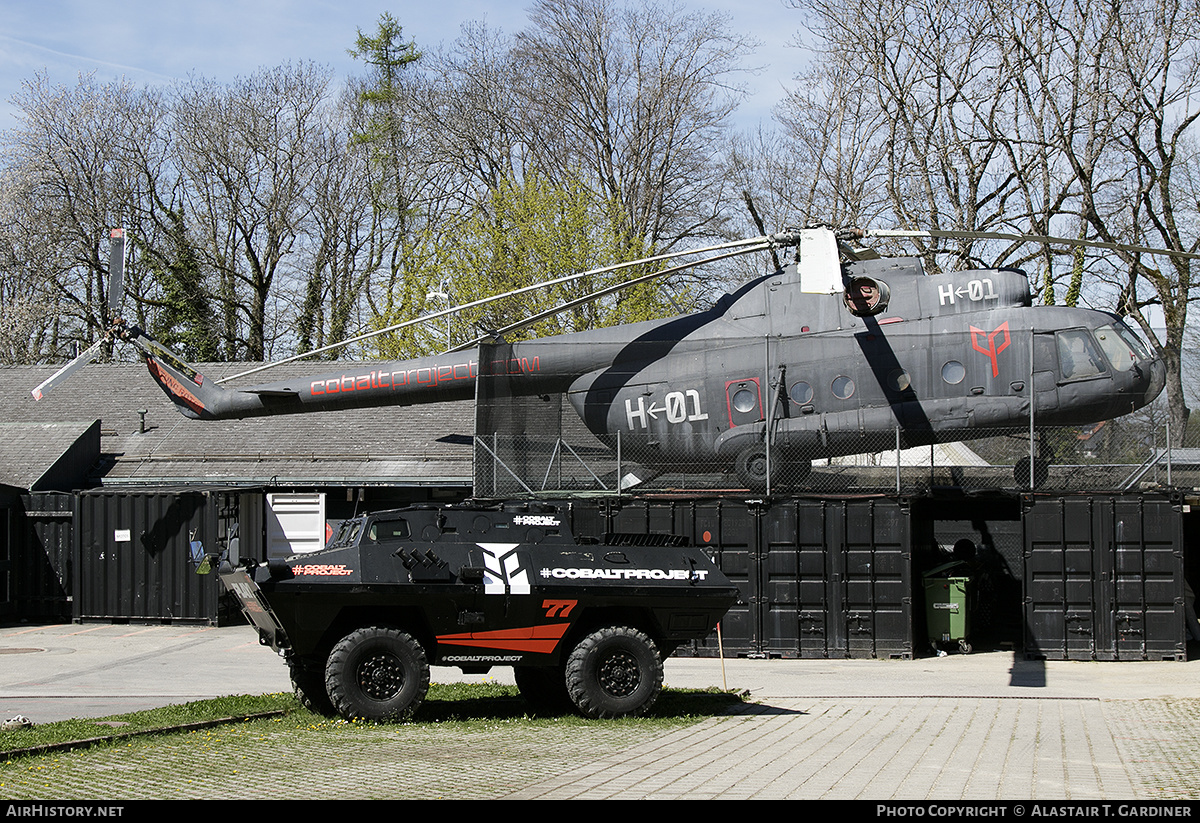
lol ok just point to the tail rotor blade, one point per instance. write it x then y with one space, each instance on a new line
66 371
116 271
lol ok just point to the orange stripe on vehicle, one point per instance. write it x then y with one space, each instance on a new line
541 639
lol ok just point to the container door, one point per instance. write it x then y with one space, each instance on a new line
877 575
295 524
1059 569
1145 600
732 529
7 536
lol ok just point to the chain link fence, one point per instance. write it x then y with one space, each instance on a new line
667 438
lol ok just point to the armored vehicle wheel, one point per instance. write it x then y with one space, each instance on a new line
308 684
377 674
543 687
614 672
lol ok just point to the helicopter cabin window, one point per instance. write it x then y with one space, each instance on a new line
801 393
843 387
744 401
389 531
953 372
900 380
1078 357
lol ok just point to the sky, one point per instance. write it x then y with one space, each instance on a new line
157 42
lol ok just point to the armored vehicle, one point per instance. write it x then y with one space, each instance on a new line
585 621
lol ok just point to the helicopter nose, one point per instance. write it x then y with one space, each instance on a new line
1157 380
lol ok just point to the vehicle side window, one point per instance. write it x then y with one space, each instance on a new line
1078 356
389 531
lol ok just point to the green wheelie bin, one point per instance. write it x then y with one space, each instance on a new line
948 606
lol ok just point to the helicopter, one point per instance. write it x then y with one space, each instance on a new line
817 359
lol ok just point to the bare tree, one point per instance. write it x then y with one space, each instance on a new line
251 152
634 99
68 186
343 226
1057 117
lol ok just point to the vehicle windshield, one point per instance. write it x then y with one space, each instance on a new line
346 532
1121 346
1118 351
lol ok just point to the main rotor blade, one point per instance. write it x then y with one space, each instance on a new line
87 356
596 295
116 271
757 244
1031 238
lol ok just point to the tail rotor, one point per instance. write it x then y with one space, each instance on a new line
116 271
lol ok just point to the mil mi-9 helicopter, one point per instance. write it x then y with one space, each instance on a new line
820 358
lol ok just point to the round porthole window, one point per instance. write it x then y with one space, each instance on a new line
843 387
744 401
801 393
953 372
900 380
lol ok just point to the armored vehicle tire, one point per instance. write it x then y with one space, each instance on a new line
308 684
543 687
377 674
614 672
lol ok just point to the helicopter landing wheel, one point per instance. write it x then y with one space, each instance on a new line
751 468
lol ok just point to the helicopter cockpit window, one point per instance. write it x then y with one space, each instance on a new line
1078 357
1121 355
1140 350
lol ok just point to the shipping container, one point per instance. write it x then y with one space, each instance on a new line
138 551
1104 578
820 578
43 564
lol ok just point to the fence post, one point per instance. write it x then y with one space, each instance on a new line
897 458
770 404
1032 403
618 462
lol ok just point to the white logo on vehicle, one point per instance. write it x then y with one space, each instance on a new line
625 574
502 569
535 520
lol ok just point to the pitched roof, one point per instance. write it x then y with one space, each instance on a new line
47 456
417 445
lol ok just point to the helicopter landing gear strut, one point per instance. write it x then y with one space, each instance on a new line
1041 466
